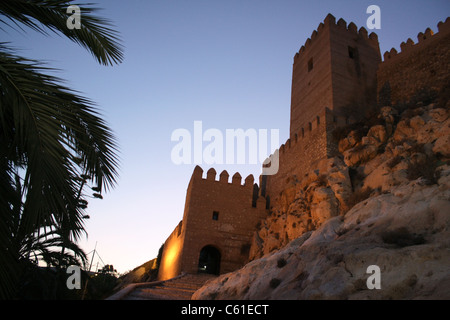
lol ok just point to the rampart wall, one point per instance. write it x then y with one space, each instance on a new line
418 69
299 154
170 265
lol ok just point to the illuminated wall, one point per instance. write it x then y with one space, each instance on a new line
170 265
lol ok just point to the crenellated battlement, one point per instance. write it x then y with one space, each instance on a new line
341 25
299 153
211 175
423 38
419 70
321 124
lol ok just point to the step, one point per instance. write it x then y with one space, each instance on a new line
178 289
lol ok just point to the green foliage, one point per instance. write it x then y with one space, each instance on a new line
95 35
100 286
39 283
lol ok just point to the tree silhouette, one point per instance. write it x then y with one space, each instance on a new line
53 143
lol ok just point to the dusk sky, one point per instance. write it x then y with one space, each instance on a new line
227 63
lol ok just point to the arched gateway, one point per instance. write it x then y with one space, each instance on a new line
209 260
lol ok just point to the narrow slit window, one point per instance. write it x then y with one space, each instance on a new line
310 64
215 215
352 53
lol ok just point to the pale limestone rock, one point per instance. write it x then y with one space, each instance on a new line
304 205
416 123
442 146
348 142
331 262
388 114
313 203
404 131
439 114
378 134
355 156
323 211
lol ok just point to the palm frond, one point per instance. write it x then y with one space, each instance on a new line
47 124
96 33
52 142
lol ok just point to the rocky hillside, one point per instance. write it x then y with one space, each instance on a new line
384 201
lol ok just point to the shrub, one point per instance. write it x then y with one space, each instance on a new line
444 95
394 161
358 196
281 263
360 129
356 176
425 169
245 248
402 237
274 283
411 112
322 180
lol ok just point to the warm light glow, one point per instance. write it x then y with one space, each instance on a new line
172 254
170 260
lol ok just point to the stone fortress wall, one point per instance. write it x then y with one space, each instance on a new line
337 76
418 69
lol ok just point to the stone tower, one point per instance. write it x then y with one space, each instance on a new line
335 69
217 227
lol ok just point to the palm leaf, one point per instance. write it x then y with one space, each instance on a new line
50 124
52 142
96 34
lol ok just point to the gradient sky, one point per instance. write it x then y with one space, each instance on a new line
227 63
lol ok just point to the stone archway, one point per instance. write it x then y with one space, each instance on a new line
209 260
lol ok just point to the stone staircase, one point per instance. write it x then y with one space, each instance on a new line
180 288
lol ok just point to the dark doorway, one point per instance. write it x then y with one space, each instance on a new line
209 261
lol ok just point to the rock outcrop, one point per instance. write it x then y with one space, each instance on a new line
406 233
304 206
384 201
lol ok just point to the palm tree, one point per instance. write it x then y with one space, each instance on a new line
53 142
